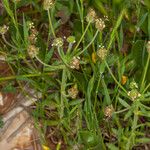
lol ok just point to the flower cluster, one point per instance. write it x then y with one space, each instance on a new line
75 63
134 93
91 16
102 53
33 36
108 111
3 29
48 4
33 51
133 85
73 92
99 22
58 42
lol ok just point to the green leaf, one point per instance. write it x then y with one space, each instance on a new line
112 146
106 92
123 103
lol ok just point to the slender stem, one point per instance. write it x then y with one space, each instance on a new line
8 42
63 86
79 53
50 23
145 72
26 75
146 88
121 111
82 36
115 78
50 66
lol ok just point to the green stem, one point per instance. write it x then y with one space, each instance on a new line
115 78
8 43
23 76
121 111
112 36
50 24
63 86
50 66
79 53
82 36
145 72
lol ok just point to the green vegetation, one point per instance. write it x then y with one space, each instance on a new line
90 60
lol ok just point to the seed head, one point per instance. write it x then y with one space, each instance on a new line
91 16
134 94
148 47
99 24
58 42
73 92
108 111
75 63
48 4
102 53
33 51
3 29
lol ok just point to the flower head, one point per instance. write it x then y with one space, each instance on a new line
30 25
47 4
99 24
102 53
73 91
33 51
33 36
58 42
91 16
133 85
75 63
134 94
108 111
3 29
